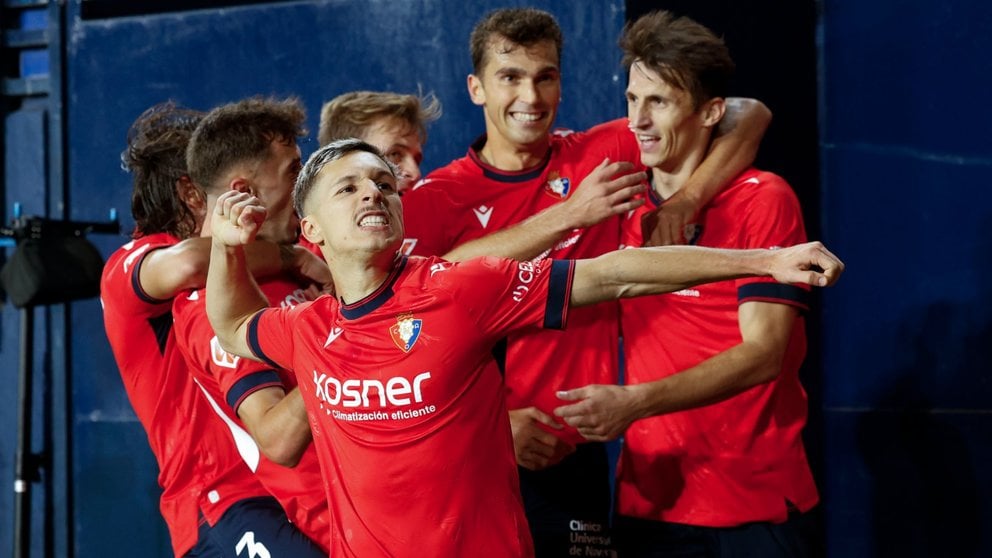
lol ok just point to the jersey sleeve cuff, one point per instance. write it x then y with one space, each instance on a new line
253 342
249 385
559 293
136 280
778 293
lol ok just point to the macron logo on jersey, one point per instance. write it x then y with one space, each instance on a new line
334 334
439 267
222 357
483 213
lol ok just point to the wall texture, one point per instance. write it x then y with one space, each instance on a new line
906 163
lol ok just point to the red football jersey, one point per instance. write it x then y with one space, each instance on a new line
227 380
742 459
469 199
406 406
199 468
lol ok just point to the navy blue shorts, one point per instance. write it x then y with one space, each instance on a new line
644 538
253 528
568 504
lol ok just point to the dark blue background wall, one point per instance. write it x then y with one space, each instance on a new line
903 384
907 347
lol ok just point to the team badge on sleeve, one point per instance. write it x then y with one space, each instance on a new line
406 331
558 186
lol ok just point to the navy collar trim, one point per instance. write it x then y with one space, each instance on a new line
379 297
494 173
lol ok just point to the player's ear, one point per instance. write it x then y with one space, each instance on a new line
311 231
191 195
713 111
475 90
241 185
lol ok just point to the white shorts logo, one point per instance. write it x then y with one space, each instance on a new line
255 550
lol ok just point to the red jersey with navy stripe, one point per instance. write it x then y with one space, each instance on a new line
469 199
228 380
406 406
199 468
742 459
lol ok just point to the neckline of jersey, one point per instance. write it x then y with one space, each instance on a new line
500 175
378 297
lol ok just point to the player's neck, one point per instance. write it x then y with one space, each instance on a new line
357 278
669 178
507 156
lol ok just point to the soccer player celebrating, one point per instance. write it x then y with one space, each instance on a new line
713 457
393 122
210 500
396 370
523 192
250 146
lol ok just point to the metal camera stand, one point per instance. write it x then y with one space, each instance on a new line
28 465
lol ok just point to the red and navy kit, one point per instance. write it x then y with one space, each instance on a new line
228 380
199 469
405 402
740 460
469 199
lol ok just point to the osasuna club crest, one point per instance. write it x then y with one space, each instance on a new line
406 331
558 186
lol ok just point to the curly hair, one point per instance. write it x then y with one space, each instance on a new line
156 158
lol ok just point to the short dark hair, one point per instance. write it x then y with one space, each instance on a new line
156 158
329 153
684 53
522 26
349 115
241 132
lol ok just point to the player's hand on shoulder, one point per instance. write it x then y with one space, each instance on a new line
667 224
810 263
236 219
609 190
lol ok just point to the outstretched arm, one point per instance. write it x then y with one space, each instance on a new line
166 272
607 191
733 149
604 412
233 297
644 271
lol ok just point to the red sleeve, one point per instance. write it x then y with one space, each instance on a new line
271 336
504 295
772 219
426 211
236 378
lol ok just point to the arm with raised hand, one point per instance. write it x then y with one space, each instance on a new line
166 272
607 191
233 297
